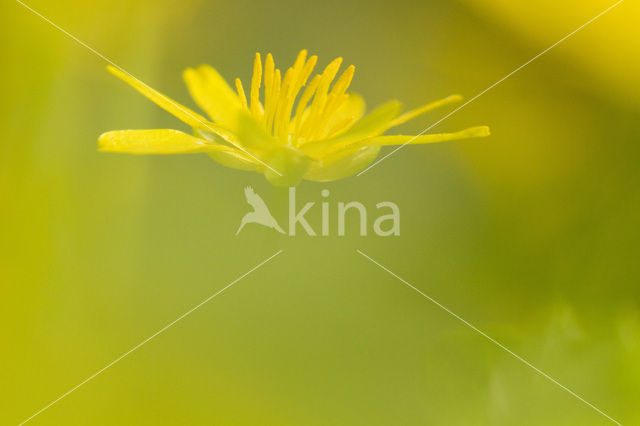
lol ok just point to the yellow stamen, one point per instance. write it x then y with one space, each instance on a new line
320 98
333 103
306 95
335 100
256 108
343 83
308 69
269 68
294 80
241 94
298 65
304 100
279 117
273 102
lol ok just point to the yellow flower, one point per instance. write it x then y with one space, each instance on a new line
322 137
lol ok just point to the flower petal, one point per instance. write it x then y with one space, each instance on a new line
342 164
374 124
181 112
214 95
236 160
346 115
410 115
157 141
473 132
251 134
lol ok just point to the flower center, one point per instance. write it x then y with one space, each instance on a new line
319 110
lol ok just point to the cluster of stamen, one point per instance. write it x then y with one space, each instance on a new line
317 104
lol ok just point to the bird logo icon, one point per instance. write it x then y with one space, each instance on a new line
260 214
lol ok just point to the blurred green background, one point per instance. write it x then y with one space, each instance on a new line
532 234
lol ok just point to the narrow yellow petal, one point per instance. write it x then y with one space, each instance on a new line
472 132
157 141
410 115
188 116
179 111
